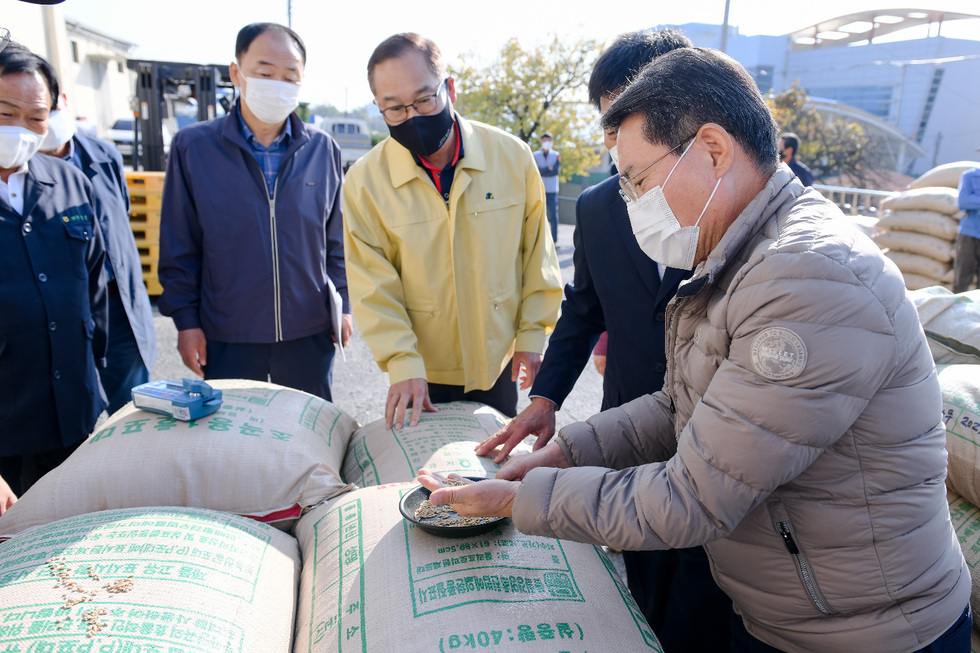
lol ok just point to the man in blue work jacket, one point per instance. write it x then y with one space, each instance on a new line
251 233
52 289
132 346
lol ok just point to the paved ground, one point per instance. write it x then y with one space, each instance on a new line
360 388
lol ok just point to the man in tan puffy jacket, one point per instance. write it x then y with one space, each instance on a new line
798 434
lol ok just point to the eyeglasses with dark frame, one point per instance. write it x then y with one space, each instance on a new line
424 105
626 189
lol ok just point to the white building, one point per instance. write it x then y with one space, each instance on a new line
91 65
925 88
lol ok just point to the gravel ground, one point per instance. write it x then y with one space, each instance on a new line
360 387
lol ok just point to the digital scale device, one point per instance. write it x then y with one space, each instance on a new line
185 401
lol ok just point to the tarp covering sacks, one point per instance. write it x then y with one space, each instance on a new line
149 579
442 442
373 582
951 323
268 453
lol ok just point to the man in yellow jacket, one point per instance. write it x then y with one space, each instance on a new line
452 273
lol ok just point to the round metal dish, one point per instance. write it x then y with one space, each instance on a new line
411 501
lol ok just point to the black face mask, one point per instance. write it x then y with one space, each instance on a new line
424 135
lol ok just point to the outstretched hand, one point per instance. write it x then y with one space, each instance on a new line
490 498
537 419
551 455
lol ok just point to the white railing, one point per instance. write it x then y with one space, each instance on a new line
855 201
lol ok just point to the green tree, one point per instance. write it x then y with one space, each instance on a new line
528 92
835 148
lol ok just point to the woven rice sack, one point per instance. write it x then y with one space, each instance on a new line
149 580
961 414
951 322
921 265
966 523
947 175
930 223
442 442
913 243
933 198
268 453
372 582
918 282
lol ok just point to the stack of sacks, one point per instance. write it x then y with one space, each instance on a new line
918 232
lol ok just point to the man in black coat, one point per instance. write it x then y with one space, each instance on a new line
619 289
132 346
52 288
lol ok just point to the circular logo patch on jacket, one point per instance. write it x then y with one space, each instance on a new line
778 354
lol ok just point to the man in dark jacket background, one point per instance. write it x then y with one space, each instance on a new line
52 289
132 345
251 241
619 289
789 146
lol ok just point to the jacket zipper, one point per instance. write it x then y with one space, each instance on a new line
277 309
803 566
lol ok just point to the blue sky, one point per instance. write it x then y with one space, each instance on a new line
341 35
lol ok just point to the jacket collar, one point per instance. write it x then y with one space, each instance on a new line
403 169
779 190
232 130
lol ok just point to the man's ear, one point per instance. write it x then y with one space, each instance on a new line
235 73
719 145
451 89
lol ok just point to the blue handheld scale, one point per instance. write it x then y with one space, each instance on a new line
185 401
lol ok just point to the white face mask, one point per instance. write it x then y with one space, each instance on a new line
546 146
659 234
271 101
61 127
614 155
17 145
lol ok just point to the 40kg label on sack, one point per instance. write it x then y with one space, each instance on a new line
372 581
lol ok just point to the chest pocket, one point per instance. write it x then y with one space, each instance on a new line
79 230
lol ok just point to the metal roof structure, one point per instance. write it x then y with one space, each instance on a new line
865 26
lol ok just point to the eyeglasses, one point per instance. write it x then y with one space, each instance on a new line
4 38
424 105
626 189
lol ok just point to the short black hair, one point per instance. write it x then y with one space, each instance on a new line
15 58
251 32
791 140
683 90
547 135
626 57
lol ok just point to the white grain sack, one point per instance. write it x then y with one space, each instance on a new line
921 265
268 453
951 323
930 223
913 243
961 413
442 442
149 580
933 198
947 175
966 523
371 582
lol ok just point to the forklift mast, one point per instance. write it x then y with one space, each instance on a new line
159 86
